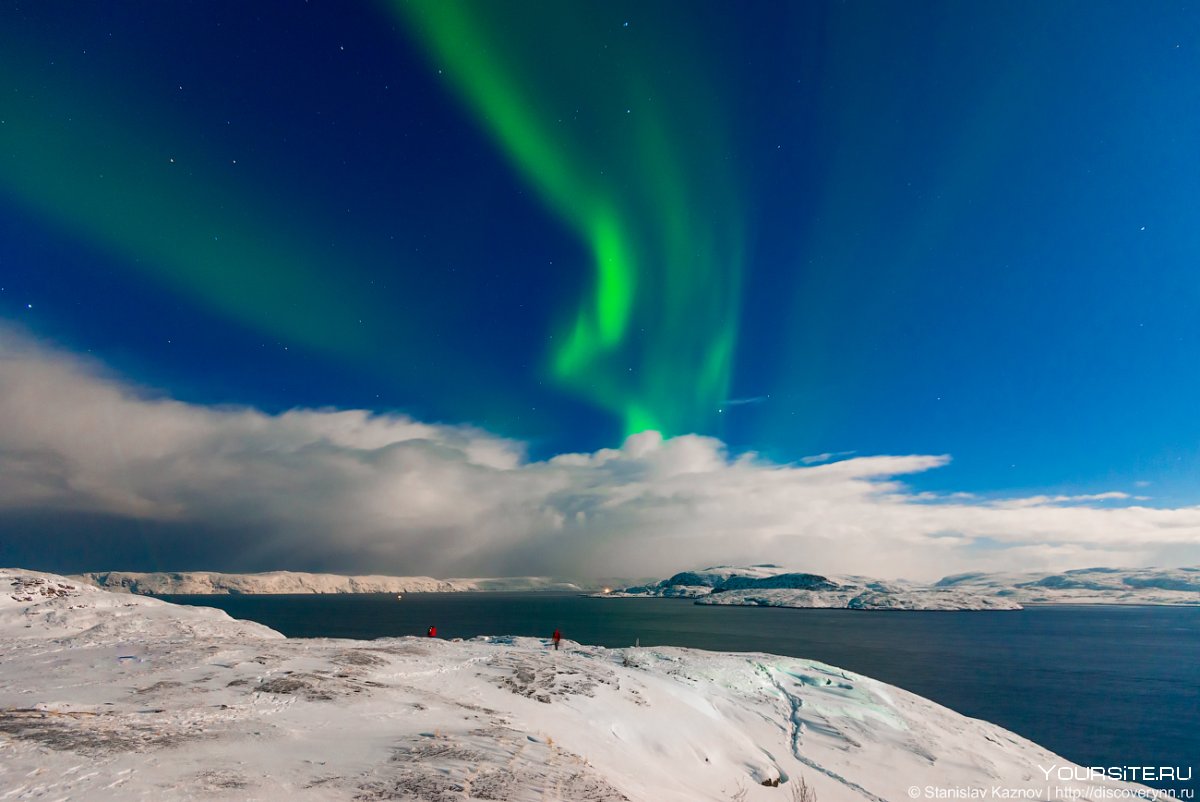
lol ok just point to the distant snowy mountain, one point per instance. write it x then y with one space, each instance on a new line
770 585
107 697
860 598
209 582
766 585
1086 586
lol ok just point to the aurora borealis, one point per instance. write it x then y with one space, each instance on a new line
645 187
106 184
602 291
804 229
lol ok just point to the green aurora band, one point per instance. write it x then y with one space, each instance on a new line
186 222
617 129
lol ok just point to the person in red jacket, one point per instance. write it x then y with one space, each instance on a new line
557 637
432 632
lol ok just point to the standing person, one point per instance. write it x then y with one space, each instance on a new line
557 638
432 631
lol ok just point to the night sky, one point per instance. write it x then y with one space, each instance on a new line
832 228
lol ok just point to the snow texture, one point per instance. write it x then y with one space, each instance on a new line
107 696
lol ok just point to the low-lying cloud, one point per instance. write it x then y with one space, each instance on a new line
233 488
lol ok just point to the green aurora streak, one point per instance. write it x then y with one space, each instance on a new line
116 187
616 128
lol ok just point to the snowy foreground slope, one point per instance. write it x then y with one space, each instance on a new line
212 582
109 696
775 586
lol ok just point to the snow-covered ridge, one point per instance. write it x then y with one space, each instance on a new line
106 696
211 582
1087 586
771 585
774 586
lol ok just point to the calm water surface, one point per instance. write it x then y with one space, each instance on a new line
1102 686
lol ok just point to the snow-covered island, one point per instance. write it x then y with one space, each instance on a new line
212 582
107 696
771 585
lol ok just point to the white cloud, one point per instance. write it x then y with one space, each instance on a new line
826 457
385 493
1041 501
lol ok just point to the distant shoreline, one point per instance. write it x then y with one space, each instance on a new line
608 596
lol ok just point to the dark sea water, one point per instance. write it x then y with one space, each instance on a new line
1101 686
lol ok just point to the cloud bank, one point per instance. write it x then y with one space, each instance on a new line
233 488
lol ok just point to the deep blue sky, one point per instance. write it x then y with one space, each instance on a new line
966 228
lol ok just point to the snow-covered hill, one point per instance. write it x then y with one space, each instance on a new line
117 697
774 586
1086 586
37 607
209 582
